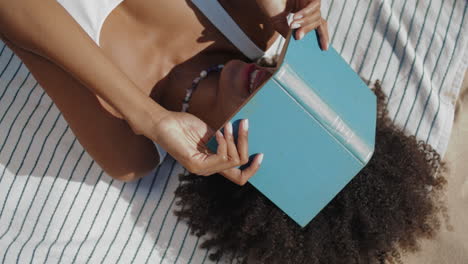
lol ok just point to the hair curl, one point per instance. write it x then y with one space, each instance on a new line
392 203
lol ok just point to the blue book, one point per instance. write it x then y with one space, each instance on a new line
315 121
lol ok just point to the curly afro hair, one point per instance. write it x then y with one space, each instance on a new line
392 203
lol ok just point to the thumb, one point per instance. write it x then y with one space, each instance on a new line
205 132
280 23
277 13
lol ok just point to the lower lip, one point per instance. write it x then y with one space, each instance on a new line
247 71
259 79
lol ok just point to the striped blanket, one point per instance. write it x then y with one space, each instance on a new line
57 206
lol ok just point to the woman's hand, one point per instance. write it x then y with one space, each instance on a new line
307 17
185 136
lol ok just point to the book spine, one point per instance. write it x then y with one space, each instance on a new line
323 113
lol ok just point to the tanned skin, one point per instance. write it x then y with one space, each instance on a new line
121 95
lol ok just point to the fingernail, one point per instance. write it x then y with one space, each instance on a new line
229 127
219 136
301 35
295 25
246 124
298 16
260 159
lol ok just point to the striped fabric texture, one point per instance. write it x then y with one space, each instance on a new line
57 206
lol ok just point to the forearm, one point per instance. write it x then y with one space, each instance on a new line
45 28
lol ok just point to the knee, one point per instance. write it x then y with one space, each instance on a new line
130 164
130 170
129 175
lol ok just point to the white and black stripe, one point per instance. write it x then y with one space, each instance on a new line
57 206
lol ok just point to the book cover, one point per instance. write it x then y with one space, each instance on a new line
314 120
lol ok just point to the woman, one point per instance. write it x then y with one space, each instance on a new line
383 213
125 89
128 91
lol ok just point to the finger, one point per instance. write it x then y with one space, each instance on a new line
277 15
254 166
280 24
232 153
312 7
322 32
210 163
225 158
234 175
222 145
300 33
311 19
241 177
243 141
314 18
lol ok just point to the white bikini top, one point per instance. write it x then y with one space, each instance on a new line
91 14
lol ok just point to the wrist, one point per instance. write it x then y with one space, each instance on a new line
146 117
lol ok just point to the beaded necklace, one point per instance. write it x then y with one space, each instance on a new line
196 81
